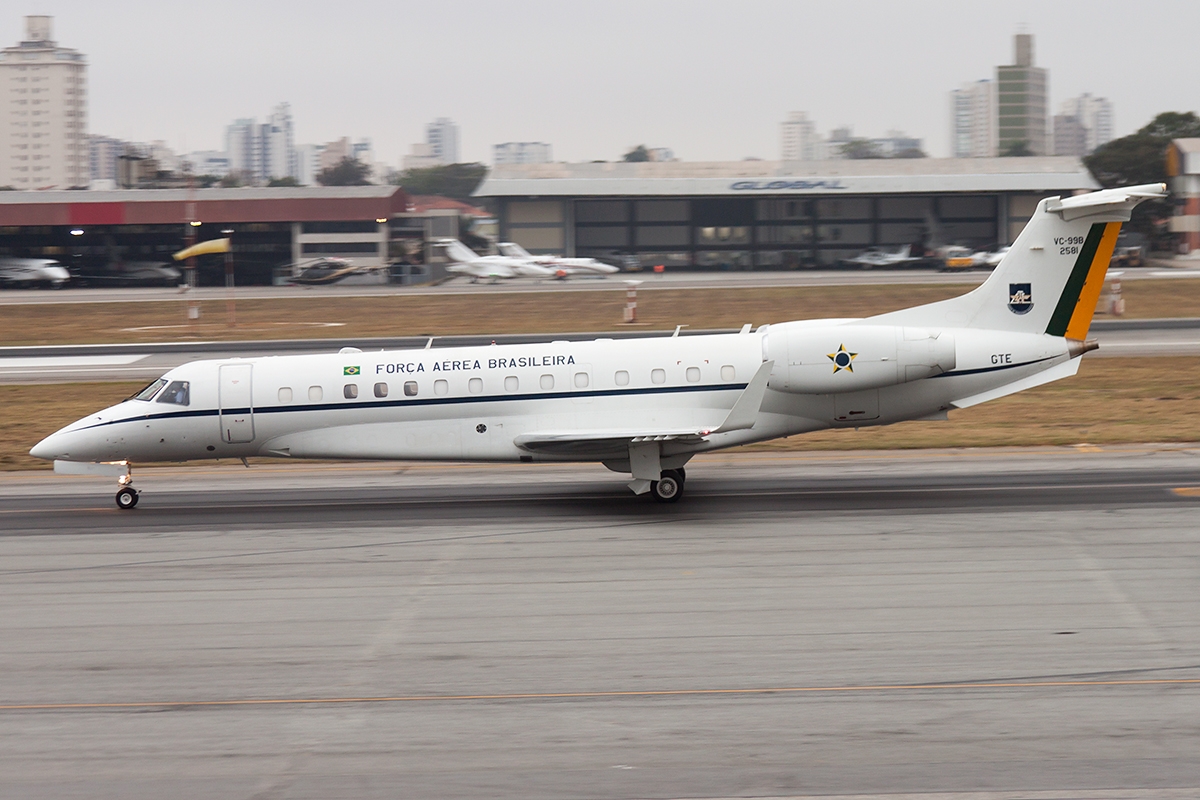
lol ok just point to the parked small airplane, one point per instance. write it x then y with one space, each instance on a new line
562 267
879 257
494 268
31 272
639 406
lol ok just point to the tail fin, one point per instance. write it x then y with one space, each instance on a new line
459 252
513 250
1051 278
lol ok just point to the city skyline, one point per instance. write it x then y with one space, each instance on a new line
563 92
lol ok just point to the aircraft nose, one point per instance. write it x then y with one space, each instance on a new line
49 448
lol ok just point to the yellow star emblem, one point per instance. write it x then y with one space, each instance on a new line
843 359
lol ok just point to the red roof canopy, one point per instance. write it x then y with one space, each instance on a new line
169 206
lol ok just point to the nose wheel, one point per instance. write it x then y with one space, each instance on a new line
127 496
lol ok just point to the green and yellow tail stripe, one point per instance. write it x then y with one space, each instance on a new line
1073 315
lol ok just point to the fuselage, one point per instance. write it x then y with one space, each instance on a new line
477 403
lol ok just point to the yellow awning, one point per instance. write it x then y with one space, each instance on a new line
203 249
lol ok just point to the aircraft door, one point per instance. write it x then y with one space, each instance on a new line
236 402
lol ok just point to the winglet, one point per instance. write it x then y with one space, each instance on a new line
745 411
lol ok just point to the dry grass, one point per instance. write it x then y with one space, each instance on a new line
558 312
1111 401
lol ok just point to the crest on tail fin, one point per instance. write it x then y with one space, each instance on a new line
1020 298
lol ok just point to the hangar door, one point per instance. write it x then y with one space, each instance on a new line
235 398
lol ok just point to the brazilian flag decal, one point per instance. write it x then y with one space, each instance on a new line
351 370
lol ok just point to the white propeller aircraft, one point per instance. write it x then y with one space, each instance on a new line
494 268
562 267
639 406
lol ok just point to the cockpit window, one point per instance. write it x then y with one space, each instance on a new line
177 393
149 392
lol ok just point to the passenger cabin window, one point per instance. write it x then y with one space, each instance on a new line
381 390
285 394
693 374
658 376
149 392
547 382
350 391
441 387
315 393
410 388
581 380
511 384
728 373
475 386
178 393
622 378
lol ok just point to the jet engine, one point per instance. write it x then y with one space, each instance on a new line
829 359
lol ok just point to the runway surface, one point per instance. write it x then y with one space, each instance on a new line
1002 623
126 362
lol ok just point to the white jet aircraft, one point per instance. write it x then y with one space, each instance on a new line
562 267
878 257
639 406
493 268
28 272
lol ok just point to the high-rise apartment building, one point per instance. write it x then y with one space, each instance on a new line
43 112
103 152
522 153
973 120
1021 105
442 137
279 144
800 139
1095 116
1070 137
259 152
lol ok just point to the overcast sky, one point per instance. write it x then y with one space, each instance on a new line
712 80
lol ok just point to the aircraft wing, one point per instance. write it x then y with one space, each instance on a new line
616 442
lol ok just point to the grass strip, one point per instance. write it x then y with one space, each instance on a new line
494 313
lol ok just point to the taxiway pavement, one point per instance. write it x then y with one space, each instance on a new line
1001 623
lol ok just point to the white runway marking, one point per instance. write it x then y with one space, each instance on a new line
61 362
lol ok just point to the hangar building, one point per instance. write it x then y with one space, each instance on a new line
770 214
270 226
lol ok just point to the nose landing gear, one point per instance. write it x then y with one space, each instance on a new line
127 496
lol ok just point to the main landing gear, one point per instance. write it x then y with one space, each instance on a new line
127 496
669 487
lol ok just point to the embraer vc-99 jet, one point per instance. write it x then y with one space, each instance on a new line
639 406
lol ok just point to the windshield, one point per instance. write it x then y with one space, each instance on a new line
176 393
149 392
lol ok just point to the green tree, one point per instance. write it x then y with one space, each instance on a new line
861 148
912 152
1017 149
639 153
458 181
205 181
1141 158
286 180
347 172
231 181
